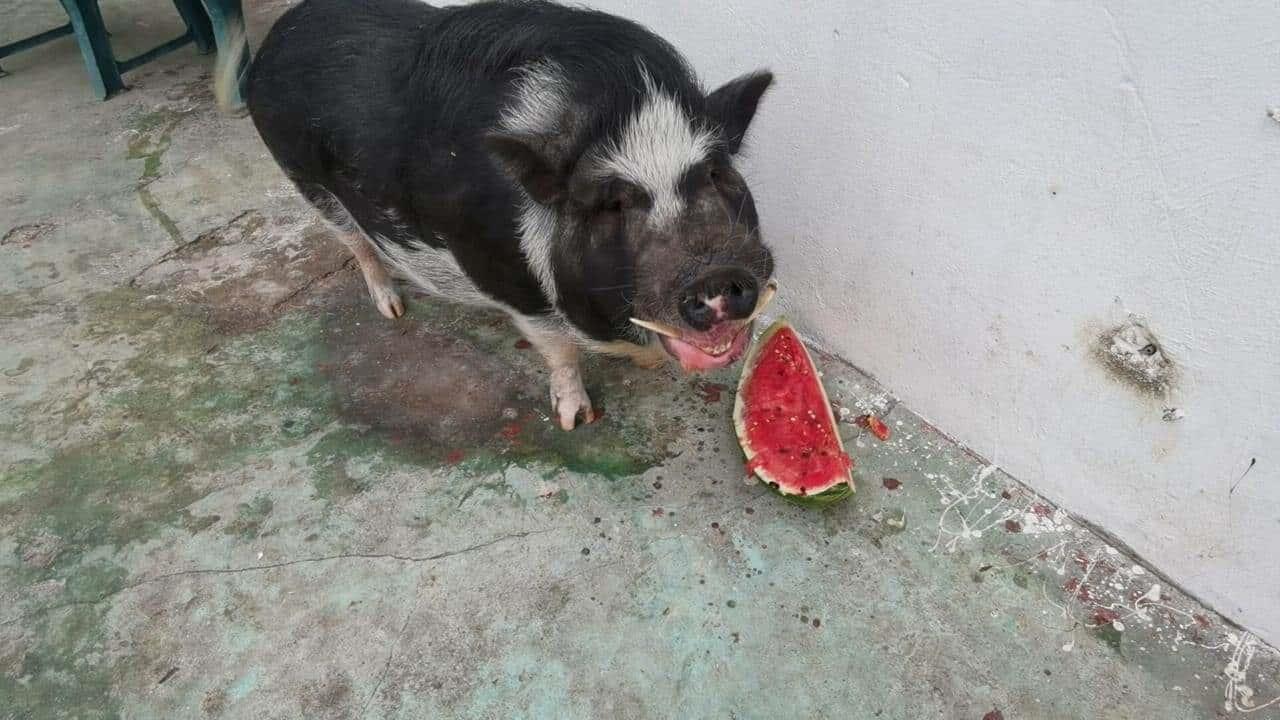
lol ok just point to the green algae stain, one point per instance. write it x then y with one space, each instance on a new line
20 304
603 451
98 493
250 517
329 460
156 428
1108 635
162 417
90 582
63 666
195 524
152 136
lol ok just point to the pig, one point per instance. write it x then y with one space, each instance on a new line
561 165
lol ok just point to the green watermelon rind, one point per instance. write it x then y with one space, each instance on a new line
838 490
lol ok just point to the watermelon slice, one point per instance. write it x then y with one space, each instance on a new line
785 424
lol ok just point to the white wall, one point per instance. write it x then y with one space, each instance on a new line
963 194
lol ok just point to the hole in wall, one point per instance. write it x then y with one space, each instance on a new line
1133 354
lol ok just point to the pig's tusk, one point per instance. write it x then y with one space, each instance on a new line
660 328
766 297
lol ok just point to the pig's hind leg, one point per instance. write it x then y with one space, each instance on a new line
382 287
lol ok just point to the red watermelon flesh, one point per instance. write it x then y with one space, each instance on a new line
784 421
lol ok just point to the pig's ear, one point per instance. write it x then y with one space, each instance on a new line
520 156
733 106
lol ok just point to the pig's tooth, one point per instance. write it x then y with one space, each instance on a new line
766 297
660 328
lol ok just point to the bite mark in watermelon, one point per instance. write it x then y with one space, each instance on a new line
784 421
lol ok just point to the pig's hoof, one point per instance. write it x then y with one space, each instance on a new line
569 398
387 300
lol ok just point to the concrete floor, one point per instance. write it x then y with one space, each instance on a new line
228 488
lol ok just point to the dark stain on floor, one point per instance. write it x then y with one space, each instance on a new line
244 273
446 385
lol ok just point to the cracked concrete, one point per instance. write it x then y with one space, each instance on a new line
228 488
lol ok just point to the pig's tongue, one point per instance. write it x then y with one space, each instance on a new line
715 349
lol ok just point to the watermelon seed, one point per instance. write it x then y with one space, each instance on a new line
586 551
731 604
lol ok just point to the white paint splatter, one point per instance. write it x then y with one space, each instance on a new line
969 510
1239 695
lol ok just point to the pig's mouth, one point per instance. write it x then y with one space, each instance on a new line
709 350
718 346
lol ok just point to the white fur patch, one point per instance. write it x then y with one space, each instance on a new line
537 233
335 215
656 148
541 98
436 271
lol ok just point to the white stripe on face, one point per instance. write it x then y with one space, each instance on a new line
656 149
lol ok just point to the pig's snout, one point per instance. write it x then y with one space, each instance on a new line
720 295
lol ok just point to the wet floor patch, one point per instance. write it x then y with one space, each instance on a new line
451 385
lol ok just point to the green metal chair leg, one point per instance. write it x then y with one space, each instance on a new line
91 34
193 14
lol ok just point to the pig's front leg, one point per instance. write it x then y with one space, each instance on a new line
568 397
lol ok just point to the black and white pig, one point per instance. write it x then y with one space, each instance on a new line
560 164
